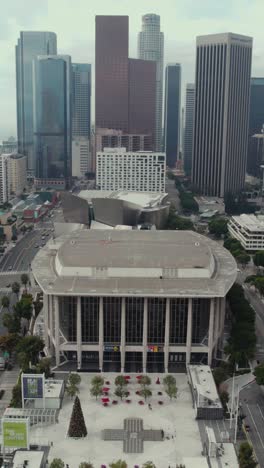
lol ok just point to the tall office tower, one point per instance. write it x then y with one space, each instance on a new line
151 47
222 92
142 92
188 128
5 184
29 45
256 122
111 72
81 100
172 113
52 120
125 88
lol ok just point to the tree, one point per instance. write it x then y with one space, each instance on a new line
246 456
11 322
57 463
43 367
259 374
259 283
118 464
259 258
145 393
16 288
145 381
24 279
169 380
23 308
72 387
224 397
97 380
74 379
96 391
16 400
120 392
77 427
120 381
171 391
5 302
243 258
30 346
149 464
218 227
9 342
86 465
220 375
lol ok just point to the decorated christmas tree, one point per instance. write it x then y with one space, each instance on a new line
77 427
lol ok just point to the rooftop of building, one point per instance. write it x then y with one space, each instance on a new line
251 222
34 459
146 200
204 384
129 262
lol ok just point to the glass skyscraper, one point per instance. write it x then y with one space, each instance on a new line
256 122
81 100
151 47
52 118
29 45
188 130
172 114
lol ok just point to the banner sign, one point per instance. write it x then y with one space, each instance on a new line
155 349
33 386
114 348
15 433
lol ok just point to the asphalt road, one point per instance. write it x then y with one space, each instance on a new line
252 403
258 306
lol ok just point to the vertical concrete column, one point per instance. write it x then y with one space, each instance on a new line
123 333
222 319
211 331
145 334
189 332
51 327
57 330
167 336
101 333
79 333
46 319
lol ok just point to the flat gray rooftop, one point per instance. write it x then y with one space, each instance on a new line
142 263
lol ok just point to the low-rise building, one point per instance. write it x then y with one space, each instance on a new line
206 400
210 204
142 171
249 230
8 225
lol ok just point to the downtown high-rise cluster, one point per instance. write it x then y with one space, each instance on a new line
212 140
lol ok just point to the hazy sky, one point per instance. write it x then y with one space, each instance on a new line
74 23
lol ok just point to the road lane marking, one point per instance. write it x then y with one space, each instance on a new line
253 420
260 411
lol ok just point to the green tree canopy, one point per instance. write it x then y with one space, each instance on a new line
24 279
259 258
218 226
30 346
259 374
246 456
149 464
120 381
145 381
5 302
118 464
86 465
11 322
15 288
57 463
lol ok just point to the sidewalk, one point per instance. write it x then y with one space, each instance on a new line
7 381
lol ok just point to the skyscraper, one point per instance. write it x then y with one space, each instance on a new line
188 130
125 89
256 121
172 113
52 119
29 45
222 92
111 72
81 100
150 47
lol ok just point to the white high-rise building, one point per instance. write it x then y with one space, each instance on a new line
81 157
151 47
13 175
117 169
188 128
5 186
221 120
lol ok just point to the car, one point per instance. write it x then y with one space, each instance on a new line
36 246
43 237
247 427
10 268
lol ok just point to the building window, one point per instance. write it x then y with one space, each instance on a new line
134 320
112 319
200 321
178 321
90 319
68 317
156 320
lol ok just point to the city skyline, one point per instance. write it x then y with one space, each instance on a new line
180 24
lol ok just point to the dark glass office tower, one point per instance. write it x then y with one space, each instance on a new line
81 100
111 72
222 94
52 118
172 113
256 122
29 45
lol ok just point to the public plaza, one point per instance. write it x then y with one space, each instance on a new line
181 444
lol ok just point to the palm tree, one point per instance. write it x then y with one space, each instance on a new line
24 280
5 302
16 288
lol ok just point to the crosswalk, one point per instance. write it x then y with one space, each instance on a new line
13 272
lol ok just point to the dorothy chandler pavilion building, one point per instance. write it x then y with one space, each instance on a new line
134 301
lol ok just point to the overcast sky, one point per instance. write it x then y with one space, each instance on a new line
74 23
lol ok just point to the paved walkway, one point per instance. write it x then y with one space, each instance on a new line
7 381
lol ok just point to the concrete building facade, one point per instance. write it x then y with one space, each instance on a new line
151 47
81 157
222 95
18 173
5 186
134 300
143 171
249 230
256 125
